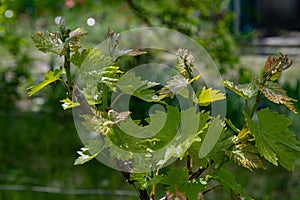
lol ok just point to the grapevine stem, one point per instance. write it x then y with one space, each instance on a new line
67 66
105 96
258 96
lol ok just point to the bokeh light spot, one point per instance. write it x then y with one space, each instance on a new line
91 21
8 13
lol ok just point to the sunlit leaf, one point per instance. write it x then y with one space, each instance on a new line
48 42
175 86
74 38
89 151
185 63
209 95
246 156
50 77
102 123
247 91
276 94
77 33
67 103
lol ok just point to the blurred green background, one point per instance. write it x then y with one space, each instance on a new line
38 139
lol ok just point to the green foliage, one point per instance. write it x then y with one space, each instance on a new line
176 182
133 85
228 180
202 145
94 147
213 133
208 22
246 91
78 57
209 95
273 140
50 77
276 94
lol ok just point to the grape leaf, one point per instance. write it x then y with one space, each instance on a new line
274 66
74 38
175 86
128 52
78 57
175 178
207 96
187 135
273 140
246 91
177 181
227 179
150 137
77 33
110 75
67 103
48 42
158 121
144 180
213 133
134 85
276 94
50 77
246 156
185 63
94 147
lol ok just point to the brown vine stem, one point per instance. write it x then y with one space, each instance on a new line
211 189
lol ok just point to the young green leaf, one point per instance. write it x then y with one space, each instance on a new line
50 77
175 86
209 95
274 66
276 94
73 39
273 140
185 63
246 156
78 57
213 133
144 180
134 85
48 42
94 147
246 91
67 103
